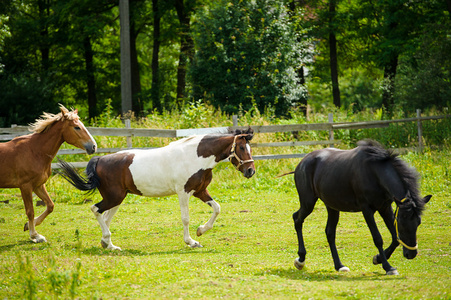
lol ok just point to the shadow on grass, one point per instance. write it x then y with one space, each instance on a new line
33 246
132 252
326 275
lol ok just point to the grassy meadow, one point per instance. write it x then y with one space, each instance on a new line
249 253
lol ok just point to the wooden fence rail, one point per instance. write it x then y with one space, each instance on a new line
9 133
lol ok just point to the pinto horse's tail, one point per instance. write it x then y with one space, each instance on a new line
90 184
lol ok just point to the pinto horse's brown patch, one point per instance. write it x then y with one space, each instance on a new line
198 183
214 145
116 179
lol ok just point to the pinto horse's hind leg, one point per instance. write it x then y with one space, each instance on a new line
184 210
27 197
106 233
331 230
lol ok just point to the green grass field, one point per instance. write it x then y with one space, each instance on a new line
247 255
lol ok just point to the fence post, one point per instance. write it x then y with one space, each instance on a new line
235 120
420 131
128 125
331 130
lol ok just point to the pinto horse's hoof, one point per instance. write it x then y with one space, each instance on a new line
38 239
196 245
343 269
199 231
299 265
109 246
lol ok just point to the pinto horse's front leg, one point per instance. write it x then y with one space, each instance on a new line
184 209
205 197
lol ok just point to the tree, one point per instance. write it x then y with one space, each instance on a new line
247 54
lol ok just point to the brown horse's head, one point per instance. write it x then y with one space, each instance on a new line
72 129
75 133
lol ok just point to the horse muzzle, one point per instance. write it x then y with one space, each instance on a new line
90 147
409 254
249 172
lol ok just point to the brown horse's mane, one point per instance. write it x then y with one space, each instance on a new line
47 119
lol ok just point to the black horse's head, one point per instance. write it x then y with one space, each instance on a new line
407 219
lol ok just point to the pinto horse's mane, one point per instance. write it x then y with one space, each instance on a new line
249 131
409 176
47 119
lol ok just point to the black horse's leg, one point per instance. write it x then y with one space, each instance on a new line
331 229
377 238
387 215
298 218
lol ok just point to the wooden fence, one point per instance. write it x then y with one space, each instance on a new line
10 133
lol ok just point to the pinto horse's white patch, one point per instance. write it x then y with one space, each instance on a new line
165 171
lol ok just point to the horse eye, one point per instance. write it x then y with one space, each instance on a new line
77 128
241 148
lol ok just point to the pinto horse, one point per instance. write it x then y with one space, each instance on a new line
367 179
183 167
25 161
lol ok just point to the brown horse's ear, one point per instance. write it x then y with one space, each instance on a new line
64 111
76 111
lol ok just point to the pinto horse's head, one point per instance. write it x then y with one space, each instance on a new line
75 133
407 220
240 153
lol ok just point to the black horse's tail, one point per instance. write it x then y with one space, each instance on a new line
90 184
278 176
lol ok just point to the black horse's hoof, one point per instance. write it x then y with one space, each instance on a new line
375 259
393 272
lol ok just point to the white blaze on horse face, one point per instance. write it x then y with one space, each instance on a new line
165 171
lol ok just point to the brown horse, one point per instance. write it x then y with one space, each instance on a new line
25 161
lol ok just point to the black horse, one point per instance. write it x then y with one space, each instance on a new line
367 179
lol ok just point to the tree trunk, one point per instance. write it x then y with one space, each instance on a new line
90 78
333 55
155 90
186 48
137 104
43 7
389 78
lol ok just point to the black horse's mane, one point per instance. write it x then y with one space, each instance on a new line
409 176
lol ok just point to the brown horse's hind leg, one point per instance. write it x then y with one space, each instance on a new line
41 192
27 197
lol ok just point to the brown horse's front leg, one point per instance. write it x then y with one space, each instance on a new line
27 197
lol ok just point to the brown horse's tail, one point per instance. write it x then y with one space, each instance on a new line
90 184
292 172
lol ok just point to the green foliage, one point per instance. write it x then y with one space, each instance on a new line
248 51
